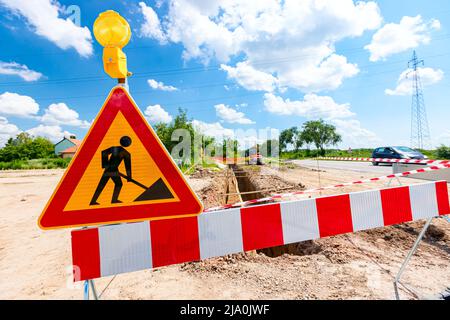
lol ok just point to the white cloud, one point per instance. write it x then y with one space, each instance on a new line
13 104
280 43
312 107
428 76
160 86
315 107
53 133
156 114
7 130
327 74
246 137
60 113
43 18
151 27
21 70
230 115
394 38
215 130
354 135
250 78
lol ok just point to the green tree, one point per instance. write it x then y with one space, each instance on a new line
288 136
26 147
198 141
270 147
298 141
40 148
320 134
165 130
230 148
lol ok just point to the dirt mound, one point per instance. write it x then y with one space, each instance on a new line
271 182
436 233
200 172
212 195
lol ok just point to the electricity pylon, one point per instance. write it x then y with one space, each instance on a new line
420 133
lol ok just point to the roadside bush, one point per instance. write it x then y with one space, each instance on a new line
443 152
25 147
307 153
52 163
12 165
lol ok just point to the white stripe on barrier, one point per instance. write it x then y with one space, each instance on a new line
118 255
423 201
299 220
367 212
220 234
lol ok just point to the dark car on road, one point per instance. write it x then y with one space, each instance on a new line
396 153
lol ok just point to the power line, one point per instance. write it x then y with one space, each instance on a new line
142 92
134 93
178 71
174 71
210 85
202 68
157 45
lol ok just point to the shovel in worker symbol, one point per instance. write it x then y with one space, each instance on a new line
156 191
111 160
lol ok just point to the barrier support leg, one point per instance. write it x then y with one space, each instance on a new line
409 256
94 291
87 284
388 184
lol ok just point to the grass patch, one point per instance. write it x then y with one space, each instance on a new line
48 163
188 168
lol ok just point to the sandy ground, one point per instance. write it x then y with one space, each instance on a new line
35 264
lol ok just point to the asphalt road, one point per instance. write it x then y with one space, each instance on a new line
381 169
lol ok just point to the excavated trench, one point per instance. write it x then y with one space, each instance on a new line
245 187
240 184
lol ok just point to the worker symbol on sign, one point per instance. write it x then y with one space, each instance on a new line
111 160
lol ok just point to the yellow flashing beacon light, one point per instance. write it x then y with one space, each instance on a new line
113 32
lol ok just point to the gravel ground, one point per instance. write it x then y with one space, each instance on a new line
36 265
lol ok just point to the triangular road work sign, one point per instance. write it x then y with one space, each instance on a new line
121 173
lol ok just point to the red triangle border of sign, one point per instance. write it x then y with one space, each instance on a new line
54 216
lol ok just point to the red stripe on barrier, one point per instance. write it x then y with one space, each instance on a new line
174 241
85 254
334 215
261 227
442 198
396 205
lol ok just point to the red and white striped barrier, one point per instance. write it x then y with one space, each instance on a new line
109 250
386 160
340 185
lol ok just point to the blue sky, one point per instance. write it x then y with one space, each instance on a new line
245 65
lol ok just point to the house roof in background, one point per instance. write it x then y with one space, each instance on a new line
70 150
75 141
